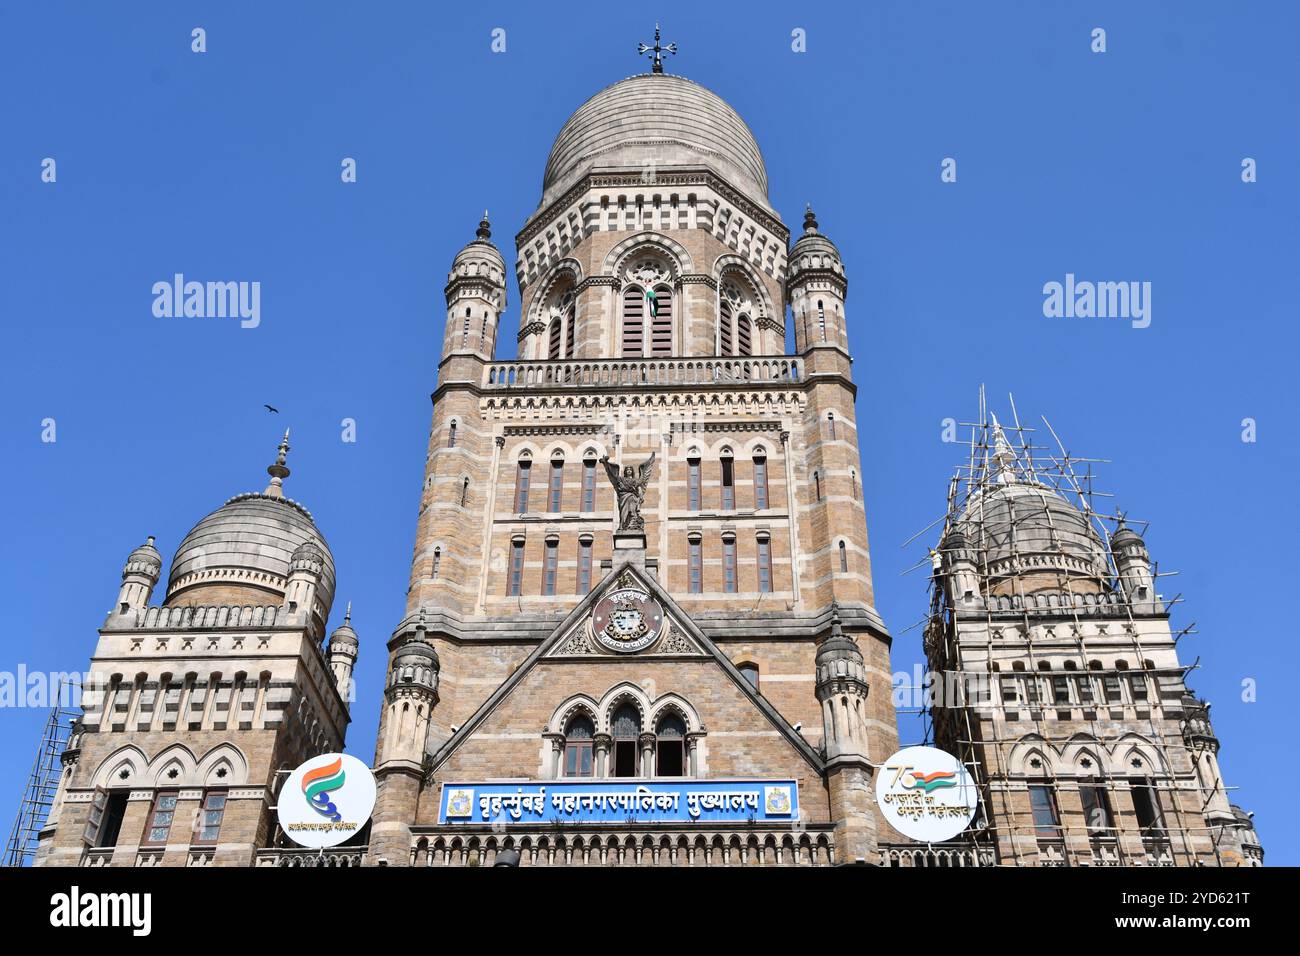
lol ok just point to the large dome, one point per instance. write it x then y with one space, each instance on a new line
659 120
1027 538
240 554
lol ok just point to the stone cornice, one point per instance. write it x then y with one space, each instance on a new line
700 176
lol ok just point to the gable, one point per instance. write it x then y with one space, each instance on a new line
629 627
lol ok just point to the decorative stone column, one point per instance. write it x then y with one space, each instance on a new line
647 754
693 752
600 746
556 768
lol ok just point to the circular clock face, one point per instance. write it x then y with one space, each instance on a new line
627 620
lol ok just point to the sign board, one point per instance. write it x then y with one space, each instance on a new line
326 800
926 794
579 800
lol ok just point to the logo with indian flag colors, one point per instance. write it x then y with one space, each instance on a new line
326 801
926 794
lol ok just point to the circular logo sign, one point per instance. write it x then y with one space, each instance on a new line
926 794
326 800
627 619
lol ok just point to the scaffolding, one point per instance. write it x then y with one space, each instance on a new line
1011 492
42 785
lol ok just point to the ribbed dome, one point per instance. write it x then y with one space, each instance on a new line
242 551
655 120
1023 528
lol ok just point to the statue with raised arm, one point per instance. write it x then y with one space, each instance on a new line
630 488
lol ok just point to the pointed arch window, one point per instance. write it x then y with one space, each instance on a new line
625 729
555 485
588 485
728 469
578 737
464 491
817 485
764 564
523 476
659 305
437 561
844 558
729 563
550 565
633 332
451 435
760 481
670 747
584 564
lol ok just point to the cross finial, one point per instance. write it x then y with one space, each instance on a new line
658 51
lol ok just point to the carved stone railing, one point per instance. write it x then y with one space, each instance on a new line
914 855
626 846
304 857
613 373
97 856
181 618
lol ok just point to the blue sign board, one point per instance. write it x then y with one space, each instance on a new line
606 801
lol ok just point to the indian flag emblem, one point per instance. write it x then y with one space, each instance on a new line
652 301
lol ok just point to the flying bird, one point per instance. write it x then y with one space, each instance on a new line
272 408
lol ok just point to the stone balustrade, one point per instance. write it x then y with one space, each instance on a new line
613 373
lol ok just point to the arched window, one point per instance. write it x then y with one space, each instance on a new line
589 484
853 480
821 319
817 485
670 747
764 563
744 336
464 491
724 329
830 424
553 339
555 485
729 563
625 728
550 565
578 736
584 564
728 469
749 671
695 560
516 566
523 476
633 337
844 559
660 307
451 434
760 481
437 560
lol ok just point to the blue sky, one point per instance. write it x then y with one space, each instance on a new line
225 165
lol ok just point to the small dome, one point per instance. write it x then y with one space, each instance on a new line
144 560
480 258
655 120
812 251
839 645
416 649
1124 537
343 634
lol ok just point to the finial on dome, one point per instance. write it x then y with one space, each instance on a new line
836 629
657 66
484 227
278 471
347 615
809 220
1003 456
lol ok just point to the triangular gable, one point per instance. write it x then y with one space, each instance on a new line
571 639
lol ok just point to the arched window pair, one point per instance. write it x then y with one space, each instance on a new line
666 754
647 321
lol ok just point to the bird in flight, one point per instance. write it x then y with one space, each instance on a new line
272 408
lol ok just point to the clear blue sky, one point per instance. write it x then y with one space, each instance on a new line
1117 166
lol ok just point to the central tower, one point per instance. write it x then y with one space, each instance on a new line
657 287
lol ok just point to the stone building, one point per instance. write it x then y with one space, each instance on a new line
640 627
1063 688
195 704
726 638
